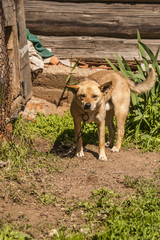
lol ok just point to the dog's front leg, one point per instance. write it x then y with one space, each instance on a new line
78 138
102 154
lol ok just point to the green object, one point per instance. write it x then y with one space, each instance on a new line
43 52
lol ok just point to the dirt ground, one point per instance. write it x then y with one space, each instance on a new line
74 180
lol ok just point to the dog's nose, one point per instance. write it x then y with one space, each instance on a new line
87 106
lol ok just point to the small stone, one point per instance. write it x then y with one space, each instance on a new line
53 232
84 230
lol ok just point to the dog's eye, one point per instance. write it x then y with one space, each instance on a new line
82 95
94 96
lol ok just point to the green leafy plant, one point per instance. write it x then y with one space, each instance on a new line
9 233
47 198
143 121
16 152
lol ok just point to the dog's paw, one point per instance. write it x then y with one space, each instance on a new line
114 149
103 157
80 154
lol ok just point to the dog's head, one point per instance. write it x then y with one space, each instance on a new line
88 94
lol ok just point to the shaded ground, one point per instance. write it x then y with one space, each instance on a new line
22 204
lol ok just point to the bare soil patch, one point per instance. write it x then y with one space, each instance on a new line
75 179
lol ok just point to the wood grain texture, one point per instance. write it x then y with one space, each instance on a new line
25 72
95 47
93 19
8 6
94 29
107 1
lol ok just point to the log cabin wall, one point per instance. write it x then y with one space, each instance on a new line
94 29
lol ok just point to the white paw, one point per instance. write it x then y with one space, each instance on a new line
80 154
114 149
102 157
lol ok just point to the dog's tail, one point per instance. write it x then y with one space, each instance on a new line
144 86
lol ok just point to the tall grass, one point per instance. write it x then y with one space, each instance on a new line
143 121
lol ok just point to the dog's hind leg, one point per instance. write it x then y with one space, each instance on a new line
121 116
102 154
111 127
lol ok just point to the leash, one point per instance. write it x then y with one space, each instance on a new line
85 118
67 82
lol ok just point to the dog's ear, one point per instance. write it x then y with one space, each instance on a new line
73 88
105 87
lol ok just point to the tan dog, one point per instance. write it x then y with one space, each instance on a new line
120 100
102 101
88 98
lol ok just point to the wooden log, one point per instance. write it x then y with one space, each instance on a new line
92 19
96 47
107 1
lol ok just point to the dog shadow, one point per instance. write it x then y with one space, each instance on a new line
65 146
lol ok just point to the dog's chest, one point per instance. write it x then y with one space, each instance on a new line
88 117
95 118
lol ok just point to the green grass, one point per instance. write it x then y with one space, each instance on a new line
107 216
9 233
56 131
60 130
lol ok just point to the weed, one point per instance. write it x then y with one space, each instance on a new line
21 155
47 198
108 217
143 121
8 233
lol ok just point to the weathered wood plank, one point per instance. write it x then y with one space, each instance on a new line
8 6
92 19
25 72
107 1
95 47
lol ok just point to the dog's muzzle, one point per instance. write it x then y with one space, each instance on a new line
87 106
